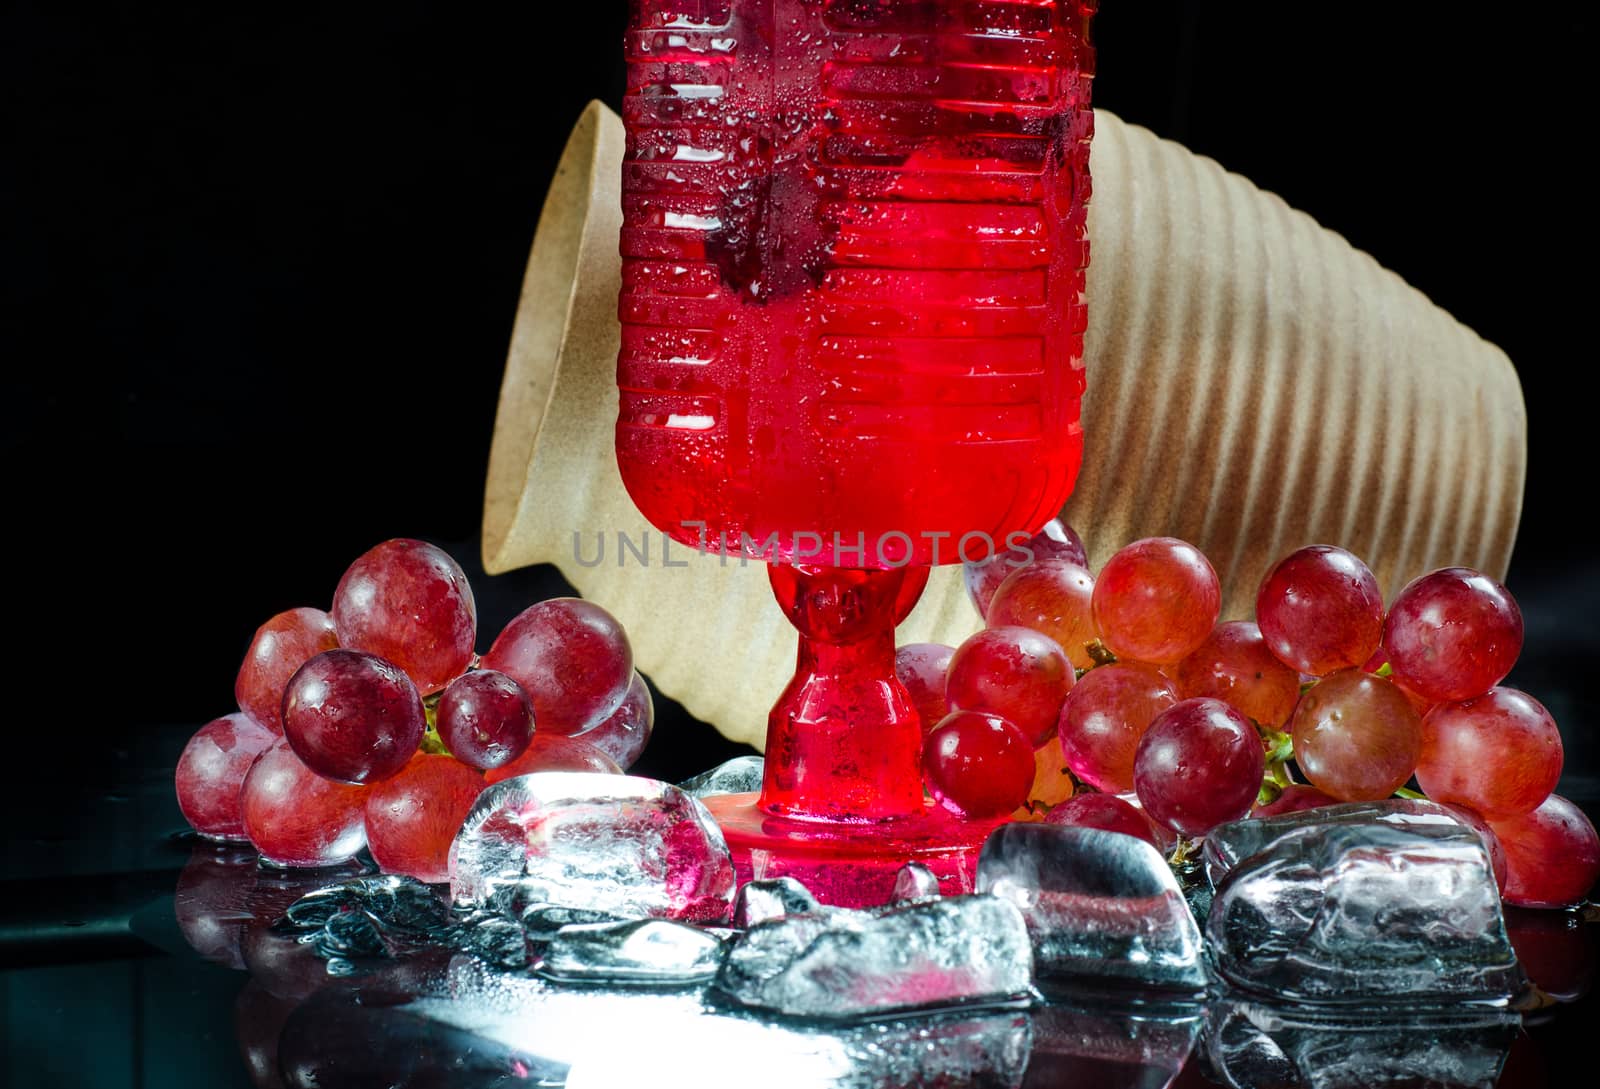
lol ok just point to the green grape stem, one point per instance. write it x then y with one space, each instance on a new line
1280 750
432 743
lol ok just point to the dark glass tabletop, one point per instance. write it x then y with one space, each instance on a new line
132 955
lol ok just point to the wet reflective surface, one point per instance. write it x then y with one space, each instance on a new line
132 959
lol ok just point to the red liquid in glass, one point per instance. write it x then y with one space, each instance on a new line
854 243
852 324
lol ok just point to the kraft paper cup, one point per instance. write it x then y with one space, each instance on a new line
1255 384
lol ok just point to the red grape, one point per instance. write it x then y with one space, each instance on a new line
1056 540
1320 610
551 752
1199 765
485 719
352 716
1104 717
413 817
1015 673
1235 666
978 765
1053 598
1156 600
625 733
1165 838
295 817
1105 811
1453 634
281 646
922 668
1356 736
1498 754
1379 659
571 657
409 602
211 773
1552 855
1295 798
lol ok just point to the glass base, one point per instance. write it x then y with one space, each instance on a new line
850 864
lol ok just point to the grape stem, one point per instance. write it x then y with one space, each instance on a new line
1183 851
1280 750
1100 653
1279 745
432 743
1407 792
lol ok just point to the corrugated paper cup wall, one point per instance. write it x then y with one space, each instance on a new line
1255 384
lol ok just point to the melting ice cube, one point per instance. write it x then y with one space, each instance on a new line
915 881
628 846
544 921
737 776
654 952
771 898
1350 912
1227 845
1098 905
851 964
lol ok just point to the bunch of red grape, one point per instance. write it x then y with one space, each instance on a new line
1120 701
376 724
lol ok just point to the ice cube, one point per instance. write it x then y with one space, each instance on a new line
350 934
914 881
1252 1045
511 895
395 901
851 964
1228 844
493 938
1351 912
740 775
1099 905
771 898
624 845
366 917
655 952
765 949
544 921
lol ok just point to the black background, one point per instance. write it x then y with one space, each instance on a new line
260 265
